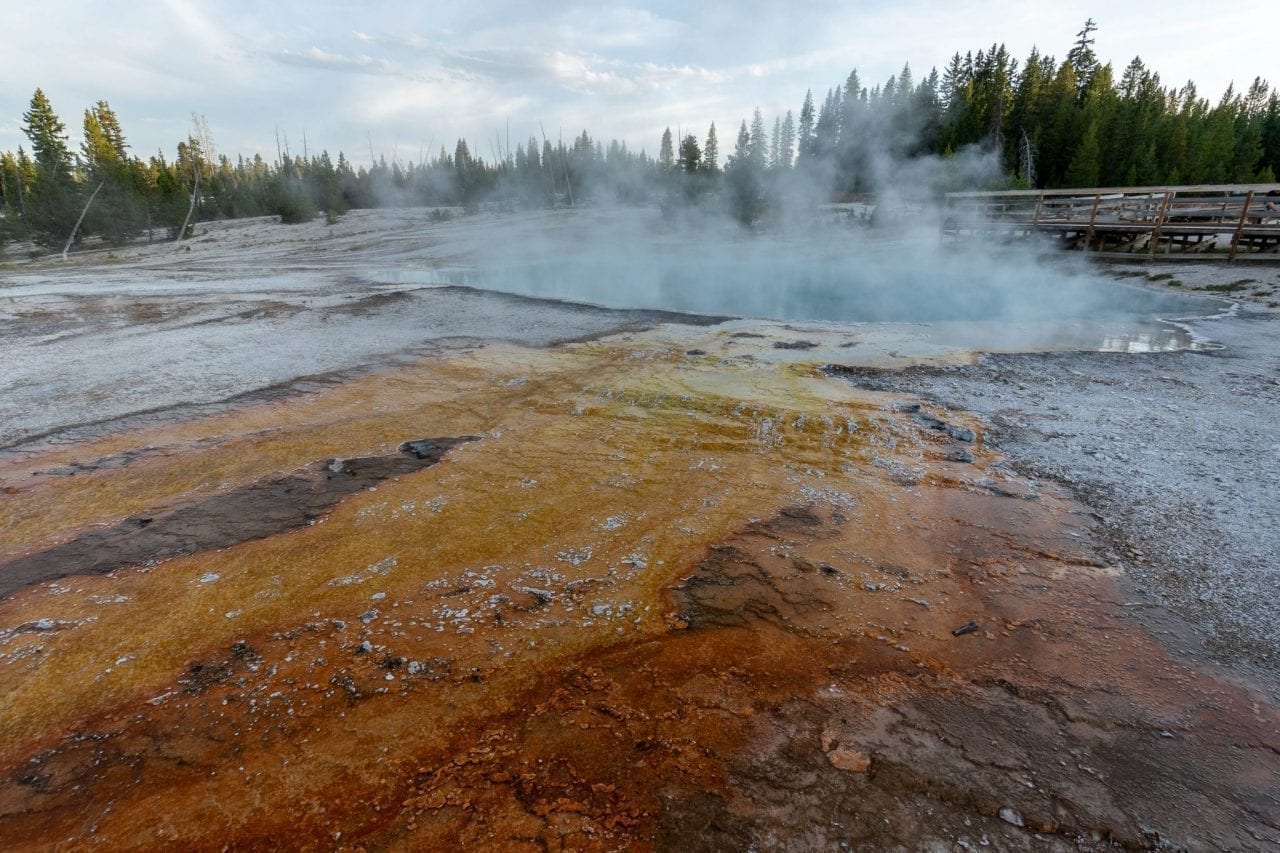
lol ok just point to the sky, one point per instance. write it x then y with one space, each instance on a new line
402 79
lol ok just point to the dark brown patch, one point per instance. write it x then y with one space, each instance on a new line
747 581
252 512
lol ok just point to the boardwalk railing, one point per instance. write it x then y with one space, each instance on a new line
1240 219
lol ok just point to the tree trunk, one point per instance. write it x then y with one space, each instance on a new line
70 239
195 192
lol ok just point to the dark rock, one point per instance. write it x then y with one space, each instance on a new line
251 512
927 420
959 433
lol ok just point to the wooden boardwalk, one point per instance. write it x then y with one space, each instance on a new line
1235 221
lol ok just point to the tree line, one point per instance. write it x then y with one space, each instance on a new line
1049 123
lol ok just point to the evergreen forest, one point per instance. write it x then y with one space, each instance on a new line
1047 123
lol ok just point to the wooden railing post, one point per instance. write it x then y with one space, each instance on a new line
1155 232
1093 218
1235 238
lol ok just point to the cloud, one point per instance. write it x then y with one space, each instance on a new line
327 61
619 69
582 73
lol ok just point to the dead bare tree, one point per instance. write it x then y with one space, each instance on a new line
1027 161
564 161
72 238
544 164
195 193
204 136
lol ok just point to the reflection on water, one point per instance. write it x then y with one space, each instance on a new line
1161 339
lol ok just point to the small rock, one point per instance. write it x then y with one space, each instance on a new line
843 758
364 648
928 421
966 628
422 448
1008 815
368 616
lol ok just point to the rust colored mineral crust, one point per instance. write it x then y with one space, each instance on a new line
657 602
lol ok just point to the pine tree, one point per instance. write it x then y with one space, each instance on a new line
954 80
850 108
775 144
1059 138
927 109
787 145
711 152
13 222
52 207
48 138
906 86
804 136
1270 121
742 147
744 175
690 160
118 212
666 152
1085 164
463 173
1082 57
826 130
1247 159
758 148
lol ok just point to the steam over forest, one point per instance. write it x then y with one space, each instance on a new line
1049 122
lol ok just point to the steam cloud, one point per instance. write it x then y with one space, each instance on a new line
884 261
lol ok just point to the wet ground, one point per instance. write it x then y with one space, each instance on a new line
1178 452
681 587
